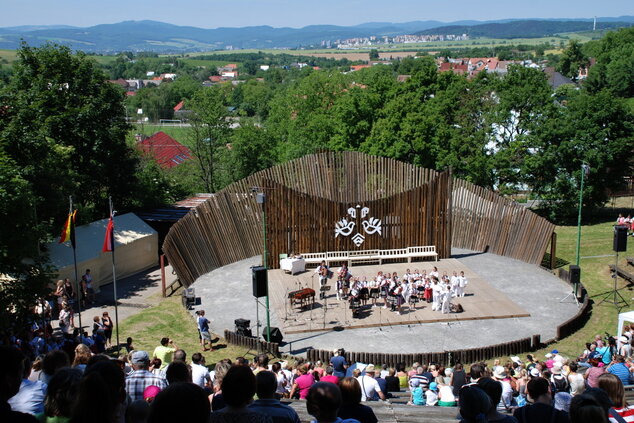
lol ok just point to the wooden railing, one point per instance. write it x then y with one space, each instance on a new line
378 256
444 358
252 343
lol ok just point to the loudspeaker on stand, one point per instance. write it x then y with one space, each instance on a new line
259 281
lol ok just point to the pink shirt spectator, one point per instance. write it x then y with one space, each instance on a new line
593 374
330 378
304 382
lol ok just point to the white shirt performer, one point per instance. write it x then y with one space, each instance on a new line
446 299
462 284
436 290
455 285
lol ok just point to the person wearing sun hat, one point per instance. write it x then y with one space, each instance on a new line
141 378
370 388
431 395
499 374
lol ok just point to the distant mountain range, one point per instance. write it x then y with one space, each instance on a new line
167 38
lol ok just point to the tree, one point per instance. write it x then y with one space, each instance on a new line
572 60
251 150
209 135
374 54
24 275
523 97
64 128
592 129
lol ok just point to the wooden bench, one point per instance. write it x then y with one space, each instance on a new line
422 252
364 256
623 274
630 261
372 256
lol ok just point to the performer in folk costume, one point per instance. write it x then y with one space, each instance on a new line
343 281
324 273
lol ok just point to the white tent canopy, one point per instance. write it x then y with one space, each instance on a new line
627 316
136 249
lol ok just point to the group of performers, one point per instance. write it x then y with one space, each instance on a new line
392 290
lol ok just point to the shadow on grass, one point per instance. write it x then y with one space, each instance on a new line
559 262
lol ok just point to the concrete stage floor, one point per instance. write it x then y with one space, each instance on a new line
226 295
482 301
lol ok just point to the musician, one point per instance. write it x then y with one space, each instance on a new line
364 290
355 297
383 289
324 272
398 293
343 276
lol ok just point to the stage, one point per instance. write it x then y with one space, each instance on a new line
481 302
226 295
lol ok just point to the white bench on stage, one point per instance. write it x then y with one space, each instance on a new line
372 256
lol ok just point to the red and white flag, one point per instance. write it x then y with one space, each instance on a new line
108 241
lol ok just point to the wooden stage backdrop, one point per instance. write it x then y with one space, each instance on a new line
309 198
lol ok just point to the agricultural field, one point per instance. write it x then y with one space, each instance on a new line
404 50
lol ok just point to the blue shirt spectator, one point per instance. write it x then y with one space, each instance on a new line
339 364
280 413
30 398
620 370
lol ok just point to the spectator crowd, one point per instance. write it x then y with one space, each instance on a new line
80 384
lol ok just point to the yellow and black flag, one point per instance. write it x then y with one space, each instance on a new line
68 231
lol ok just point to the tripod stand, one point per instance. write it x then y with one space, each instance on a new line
614 296
572 294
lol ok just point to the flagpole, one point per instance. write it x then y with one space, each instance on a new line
114 280
73 242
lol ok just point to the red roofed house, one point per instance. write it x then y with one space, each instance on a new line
179 106
167 152
358 67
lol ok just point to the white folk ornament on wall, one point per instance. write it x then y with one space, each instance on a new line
347 225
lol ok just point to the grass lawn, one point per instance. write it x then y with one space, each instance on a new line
179 133
170 319
596 256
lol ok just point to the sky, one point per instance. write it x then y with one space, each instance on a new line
294 13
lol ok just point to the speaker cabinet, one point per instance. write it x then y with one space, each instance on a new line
276 335
259 281
575 274
620 238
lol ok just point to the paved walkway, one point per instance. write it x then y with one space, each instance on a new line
135 293
226 295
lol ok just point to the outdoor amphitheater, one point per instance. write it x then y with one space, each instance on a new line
373 214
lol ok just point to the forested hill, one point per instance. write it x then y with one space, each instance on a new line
522 29
168 38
